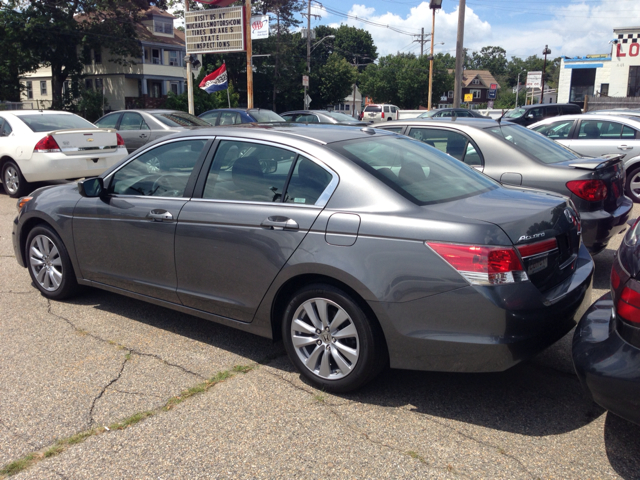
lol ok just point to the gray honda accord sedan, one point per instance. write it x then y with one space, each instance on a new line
360 248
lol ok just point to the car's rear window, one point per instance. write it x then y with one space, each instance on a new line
54 121
180 119
373 108
533 143
266 116
414 169
341 117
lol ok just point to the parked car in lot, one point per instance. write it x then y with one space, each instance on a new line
235 116
514 155
529 114
139 127
358 247
624 112
42 145
380 113
321 116
596 135
451 112
606 343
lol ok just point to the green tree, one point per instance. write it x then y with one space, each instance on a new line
493 59
91 104
60 34
334 80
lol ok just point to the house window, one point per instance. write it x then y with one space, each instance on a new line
162 26
155 56
634 82
476 93
174 58
604 89
174 87
99 85
450 94
97 56
29 89
43 87
475 81
88 83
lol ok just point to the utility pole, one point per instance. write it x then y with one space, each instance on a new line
247 15
545 52
433 5
457 90
190 104
306 105
518 89
420 39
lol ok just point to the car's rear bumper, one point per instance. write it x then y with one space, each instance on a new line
502 326
600 226
608 367
43 167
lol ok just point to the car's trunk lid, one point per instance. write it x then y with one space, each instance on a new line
86 141
528 217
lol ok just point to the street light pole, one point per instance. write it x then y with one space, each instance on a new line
545 52
457 90
433 5
518 89
306 106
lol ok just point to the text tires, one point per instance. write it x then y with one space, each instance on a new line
330 340
14 183
632 187
49 264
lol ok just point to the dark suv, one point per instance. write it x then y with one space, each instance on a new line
529 114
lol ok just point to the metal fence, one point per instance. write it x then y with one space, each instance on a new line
592 103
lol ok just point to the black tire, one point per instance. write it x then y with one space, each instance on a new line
332 354
46 264
12 180
628 189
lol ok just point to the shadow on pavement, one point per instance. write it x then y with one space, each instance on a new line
602 275
622 442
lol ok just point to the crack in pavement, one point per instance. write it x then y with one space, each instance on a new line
104 389
18 293
137 393
396 449
130 350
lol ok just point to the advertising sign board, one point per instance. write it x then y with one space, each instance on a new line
218 30
468 97
259 27
305 80
534 80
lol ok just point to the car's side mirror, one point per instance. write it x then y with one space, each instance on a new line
529 115
91 187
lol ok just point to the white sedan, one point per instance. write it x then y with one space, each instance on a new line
38 146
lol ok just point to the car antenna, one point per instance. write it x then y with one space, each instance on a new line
504 112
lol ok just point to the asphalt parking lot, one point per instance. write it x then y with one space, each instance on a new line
104 386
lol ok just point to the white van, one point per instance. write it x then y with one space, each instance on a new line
383 112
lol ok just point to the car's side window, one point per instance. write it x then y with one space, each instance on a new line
556 130
211 117
229 118
394 129
592 129
248 171
160 172
5 128
288 118
386 109
132 121
110 121
628 132
453 143
536 113
307 182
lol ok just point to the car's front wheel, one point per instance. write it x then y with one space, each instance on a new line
330 340
14 183
632 187
49 264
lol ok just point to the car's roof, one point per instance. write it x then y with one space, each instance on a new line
469 121
18 113
526 107
150 110
305 111
317 133
603 117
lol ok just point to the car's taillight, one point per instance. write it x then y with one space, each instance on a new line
628 305
590 190
120 141
47 145
382 115
538 248
481 265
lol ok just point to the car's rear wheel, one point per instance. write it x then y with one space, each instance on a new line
14 183
330 340
49 264
632 188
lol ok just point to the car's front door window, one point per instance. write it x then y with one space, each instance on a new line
246 171
556 130
161 172
110 121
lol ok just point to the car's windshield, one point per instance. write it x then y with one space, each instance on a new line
414 169
266 116
515 113
54 121
180 119
533 143
341 117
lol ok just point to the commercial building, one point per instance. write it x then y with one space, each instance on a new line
145 84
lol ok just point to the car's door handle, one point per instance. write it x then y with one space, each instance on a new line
280 223
625 147
143 135
160 215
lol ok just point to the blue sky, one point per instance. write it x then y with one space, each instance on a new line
522 28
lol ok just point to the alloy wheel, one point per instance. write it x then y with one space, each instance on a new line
45 262
634 184
325 338
11 179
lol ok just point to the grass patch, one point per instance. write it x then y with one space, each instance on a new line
415 455
320 397
61 445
